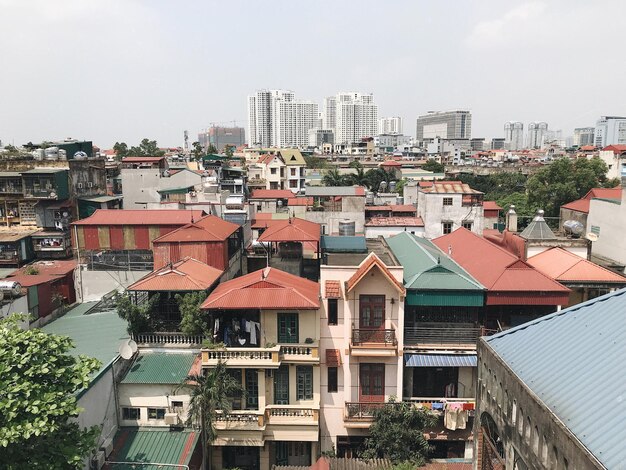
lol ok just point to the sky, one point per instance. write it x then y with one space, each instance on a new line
122 70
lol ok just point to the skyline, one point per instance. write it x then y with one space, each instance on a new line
124 70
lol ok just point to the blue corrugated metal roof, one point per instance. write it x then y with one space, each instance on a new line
344 244
572 360
440 360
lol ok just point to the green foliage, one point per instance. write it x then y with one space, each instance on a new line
520 200
564 181
434 166
197 151
400 186
331 454
38 382
375 176
497 185
193 319
315 163
210 394
397 433
211 149
31 270
209 344
229 151
332 177
121 149
405 466
140 318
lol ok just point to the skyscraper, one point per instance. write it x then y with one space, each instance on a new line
455 124
277 119
584 136
390 125
610 130
356 116
514 135
537 132
329 113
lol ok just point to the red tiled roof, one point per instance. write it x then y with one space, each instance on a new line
378 208
391 163
142 159
395 222
425 184
587 148
141 217
616 148
332 290
499 270
491 206
403 208
300 201
53 267
292 230
582 205
366 266
268 157
267 288
450 187
186 275
566 267
272 194
579 205
207 229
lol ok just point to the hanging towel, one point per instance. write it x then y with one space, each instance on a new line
454 406
437 406
251 328
468 406
450 418
428 406
216 328
461 419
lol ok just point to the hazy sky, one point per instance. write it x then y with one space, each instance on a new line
109 70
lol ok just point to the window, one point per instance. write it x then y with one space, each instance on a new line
177 404
304 377
281 386
252 389
447 201
467 225
447 227
293 171
273 171
156 413
131 413
287 327
332 312
371 311
372 382
333 384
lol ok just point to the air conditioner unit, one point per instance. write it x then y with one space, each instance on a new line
107 446
98 460
171 418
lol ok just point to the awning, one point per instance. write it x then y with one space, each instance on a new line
440 360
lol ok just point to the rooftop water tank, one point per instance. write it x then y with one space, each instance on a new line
347 228
10 288
573 228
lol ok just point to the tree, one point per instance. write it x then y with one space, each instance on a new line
121 149
38 383
211 149
140 318
375 176
397 433
210 395
434 166
147 148
564 181
332 177
193 320
358 178
315 163
197 150
229 151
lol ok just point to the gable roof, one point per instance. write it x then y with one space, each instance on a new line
449 187
566 267
207 229
268 158
332 289
491 206
292 157
616 148
370 262
427 267
267 288
140 217
292 230
590 340
501 272
582 204
272 194
187 274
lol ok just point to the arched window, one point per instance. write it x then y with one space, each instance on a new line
514 412
536 441
544 451
527 430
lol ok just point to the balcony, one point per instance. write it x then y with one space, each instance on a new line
268 358
169 340
284 422
300 353
360 414
444 335
240 420
373 342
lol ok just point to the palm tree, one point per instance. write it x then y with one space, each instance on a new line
211 393
333 178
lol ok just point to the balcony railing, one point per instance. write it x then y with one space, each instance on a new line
299 353
169 339
262 357
240 420
291 415
361 411
362 336
442 334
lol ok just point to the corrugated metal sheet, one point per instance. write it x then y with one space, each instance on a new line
292 230
333 244
445 298
141 217
572 360
185 275
440 360
160 368
158 446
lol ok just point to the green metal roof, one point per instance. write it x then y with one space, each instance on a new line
39 171
427 268
95 334
348 244
179 190
160 368
152 446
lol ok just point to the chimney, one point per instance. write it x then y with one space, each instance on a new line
511 219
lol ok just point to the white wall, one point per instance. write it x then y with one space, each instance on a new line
146 396
375 232
433 213
610 219
95 284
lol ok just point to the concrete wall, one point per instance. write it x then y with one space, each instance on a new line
87 177
144 396
140 186
432 211
92 285
352 208
375 232
15 305
610 219
526 426
568 214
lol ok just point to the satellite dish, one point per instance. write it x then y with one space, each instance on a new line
125 350
133 345
592 237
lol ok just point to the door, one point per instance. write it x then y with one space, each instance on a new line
372 383
371 319
282 453
281 386
252 389
287 327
